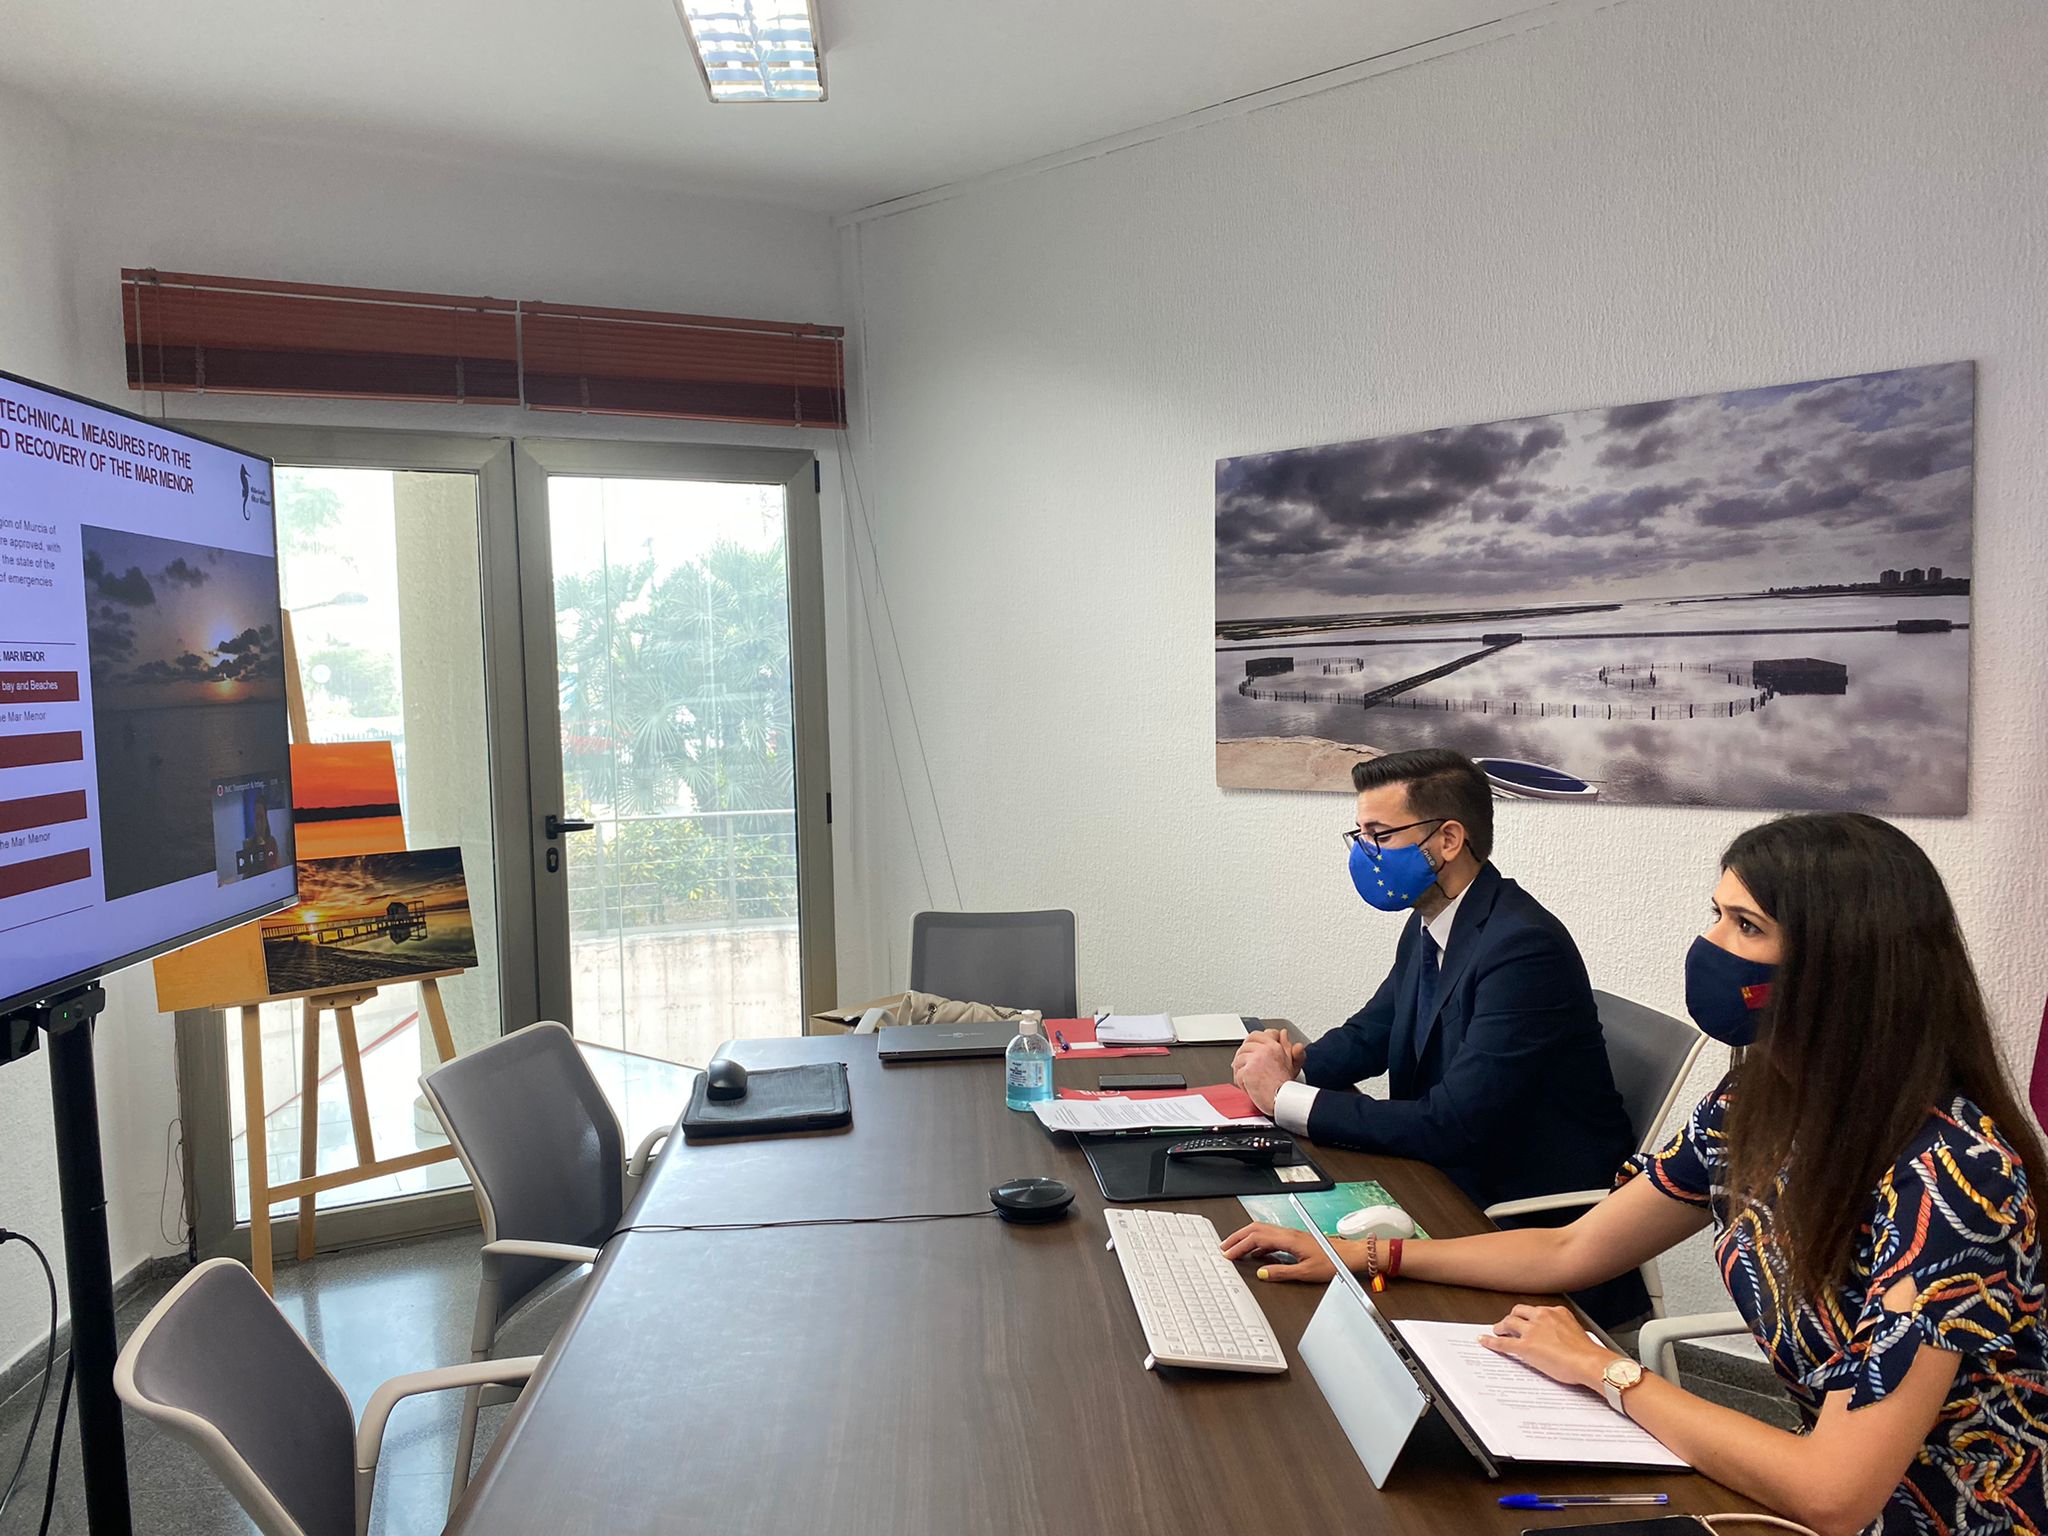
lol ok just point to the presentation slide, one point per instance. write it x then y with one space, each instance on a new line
145 777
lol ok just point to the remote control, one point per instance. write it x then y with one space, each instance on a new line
1259 1147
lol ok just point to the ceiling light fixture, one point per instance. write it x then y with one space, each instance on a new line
756 50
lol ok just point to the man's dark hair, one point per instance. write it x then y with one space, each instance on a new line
1440 783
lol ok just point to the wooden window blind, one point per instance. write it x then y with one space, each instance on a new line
189 333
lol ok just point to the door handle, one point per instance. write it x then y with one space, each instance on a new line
556 826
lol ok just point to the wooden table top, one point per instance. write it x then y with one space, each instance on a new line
945 1377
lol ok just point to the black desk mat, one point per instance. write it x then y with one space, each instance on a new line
1137 1168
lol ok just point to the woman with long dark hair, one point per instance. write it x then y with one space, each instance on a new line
1868 1175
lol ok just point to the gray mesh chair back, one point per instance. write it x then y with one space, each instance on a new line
1006 959
541 1144
217 1365
1650 1054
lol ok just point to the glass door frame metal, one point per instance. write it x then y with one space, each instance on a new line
202 1055
535 460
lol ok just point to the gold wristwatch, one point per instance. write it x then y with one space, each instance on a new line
1619 1376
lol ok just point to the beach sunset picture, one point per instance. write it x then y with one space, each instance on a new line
187 695
1754 599
371 918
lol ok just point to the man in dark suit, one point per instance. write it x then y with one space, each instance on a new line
1486 1028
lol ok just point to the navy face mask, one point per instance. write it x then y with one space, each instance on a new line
1724 993
1391 879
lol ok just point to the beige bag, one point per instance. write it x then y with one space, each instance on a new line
906 1008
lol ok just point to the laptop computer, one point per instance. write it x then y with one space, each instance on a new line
938 1042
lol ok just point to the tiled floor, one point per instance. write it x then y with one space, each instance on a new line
371 1313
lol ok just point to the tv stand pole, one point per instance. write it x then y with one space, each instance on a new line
88 1264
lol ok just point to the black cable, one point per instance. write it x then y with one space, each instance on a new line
49 1375
802 1221
57 1445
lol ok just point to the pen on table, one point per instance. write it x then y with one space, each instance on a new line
1576 1500
1060 1035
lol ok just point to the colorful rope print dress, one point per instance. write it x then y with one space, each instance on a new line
1953 1213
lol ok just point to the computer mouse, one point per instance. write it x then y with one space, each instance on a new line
1031 1201
1377 1221
725 1079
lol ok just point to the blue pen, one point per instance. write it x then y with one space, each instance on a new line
1060 1035
1575 1500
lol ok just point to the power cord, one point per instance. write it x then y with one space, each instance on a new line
802 1221
1715 1522
42 1397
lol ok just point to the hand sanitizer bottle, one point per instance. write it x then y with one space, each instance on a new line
1027 1065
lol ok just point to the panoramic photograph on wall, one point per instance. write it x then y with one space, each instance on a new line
1754 599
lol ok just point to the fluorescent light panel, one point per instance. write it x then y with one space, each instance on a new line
756 50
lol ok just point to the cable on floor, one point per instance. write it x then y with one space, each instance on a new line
42 1397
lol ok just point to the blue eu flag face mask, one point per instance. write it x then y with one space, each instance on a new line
1391 879
1724 993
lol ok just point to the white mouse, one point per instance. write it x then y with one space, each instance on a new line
1376 1221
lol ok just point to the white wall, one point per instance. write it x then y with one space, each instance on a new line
78 203
1653 199
38 338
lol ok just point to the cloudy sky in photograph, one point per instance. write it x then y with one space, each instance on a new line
175 623
1827 481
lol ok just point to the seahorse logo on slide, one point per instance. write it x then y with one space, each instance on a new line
245 493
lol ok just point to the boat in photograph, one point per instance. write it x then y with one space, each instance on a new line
1534 780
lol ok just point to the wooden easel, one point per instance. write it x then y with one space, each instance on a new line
342 1003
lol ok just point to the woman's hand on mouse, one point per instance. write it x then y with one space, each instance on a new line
1263 1237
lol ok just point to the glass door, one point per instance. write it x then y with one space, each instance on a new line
682 861
380 574
397 556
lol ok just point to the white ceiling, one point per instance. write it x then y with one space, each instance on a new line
923 92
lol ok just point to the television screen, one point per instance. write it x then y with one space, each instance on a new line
145 774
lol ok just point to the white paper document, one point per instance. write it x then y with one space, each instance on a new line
1519 1412
1134 1029
1182 1109
1207 1028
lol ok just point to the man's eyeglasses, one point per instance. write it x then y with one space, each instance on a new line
1353 836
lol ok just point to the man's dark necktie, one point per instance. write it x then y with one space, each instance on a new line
1426 985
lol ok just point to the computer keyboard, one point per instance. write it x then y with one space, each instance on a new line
1196 1308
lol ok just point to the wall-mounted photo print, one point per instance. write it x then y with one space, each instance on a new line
1757 599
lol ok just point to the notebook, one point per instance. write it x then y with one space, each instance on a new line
1134 1029
1208 1028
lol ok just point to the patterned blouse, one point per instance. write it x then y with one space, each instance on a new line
1955 1215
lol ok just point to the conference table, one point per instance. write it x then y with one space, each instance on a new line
951 1376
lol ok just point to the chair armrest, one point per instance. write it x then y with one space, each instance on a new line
1561 1202
1654 1343
377 1413
519 1248
643 1155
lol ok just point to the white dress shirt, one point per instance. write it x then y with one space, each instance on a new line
1291 1106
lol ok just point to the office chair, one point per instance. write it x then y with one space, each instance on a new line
541 1145
1651 1055
219 1367
1005 959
